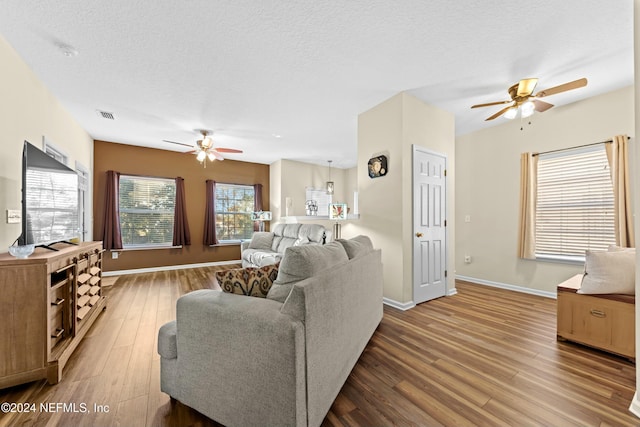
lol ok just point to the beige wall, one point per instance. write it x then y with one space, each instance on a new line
386 203
289 178
30 112
488 181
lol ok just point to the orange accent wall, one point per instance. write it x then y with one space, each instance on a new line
128 159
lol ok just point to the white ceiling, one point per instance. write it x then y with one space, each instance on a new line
252 69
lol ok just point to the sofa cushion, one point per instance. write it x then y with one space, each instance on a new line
261 240
258 257
254 282
357 246
611 272
301 262
313 233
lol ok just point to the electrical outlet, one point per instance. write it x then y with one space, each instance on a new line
115 255
14 216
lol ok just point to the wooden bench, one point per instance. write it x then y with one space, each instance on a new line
606 322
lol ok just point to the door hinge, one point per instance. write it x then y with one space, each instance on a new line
445 273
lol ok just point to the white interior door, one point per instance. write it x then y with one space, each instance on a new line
429 225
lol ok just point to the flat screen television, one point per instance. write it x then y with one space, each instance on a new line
49 199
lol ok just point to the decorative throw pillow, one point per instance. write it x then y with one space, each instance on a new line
254 282
611 272
357 246
261 240
301 262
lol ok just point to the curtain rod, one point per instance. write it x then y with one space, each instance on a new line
608 141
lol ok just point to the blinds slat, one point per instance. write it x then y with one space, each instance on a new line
574 204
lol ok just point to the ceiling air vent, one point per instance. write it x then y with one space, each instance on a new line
105 115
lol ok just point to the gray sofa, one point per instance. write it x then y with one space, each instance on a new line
280 360
267 248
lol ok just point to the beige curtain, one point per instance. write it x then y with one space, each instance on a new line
528 200
619 168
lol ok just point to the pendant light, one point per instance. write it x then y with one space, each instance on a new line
330 183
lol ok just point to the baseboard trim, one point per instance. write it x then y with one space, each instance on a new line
635 405
167 268
404 306
515 288
451 292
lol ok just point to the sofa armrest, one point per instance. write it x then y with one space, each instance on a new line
244 245
234 347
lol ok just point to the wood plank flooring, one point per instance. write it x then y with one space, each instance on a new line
484 357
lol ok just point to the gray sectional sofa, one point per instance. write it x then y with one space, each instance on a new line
267 248
280 360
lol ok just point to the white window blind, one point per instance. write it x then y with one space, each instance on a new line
575 203
146 211
322 199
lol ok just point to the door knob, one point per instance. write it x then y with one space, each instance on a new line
418 234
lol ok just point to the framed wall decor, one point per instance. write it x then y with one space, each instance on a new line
338 211
377 166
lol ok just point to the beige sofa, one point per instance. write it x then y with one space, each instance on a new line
280 360
267 248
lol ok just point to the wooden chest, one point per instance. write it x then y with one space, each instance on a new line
606 322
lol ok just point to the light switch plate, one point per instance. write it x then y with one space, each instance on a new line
13 216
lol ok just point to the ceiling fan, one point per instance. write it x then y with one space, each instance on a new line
523 99
204 149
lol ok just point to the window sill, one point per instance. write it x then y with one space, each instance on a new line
144 248
577 260
229 243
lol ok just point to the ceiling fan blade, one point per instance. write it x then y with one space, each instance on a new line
526 87
228 150
215 153
178 143
499 113
541 106
562 88
490 104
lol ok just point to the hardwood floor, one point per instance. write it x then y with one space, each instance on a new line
484 357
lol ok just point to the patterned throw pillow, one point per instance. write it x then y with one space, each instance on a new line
254 282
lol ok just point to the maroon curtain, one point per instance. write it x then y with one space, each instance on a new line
257 203
210 237
111 237
181 234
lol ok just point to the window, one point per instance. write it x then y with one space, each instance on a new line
146 211
53 151
575 210
83 189
234 204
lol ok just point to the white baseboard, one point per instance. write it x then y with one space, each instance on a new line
404 306
635 405
167 268
515 288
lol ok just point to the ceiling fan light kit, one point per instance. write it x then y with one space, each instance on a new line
204 149
523 99
330 185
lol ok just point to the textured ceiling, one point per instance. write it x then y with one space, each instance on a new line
304 70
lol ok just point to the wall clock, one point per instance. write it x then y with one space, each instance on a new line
377 166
